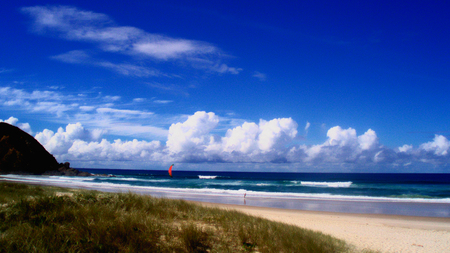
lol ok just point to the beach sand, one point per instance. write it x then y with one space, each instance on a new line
384 233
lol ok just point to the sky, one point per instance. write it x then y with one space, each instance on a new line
296 86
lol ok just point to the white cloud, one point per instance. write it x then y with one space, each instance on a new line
242 139
4 70
164 48
59 143
275 133
78 143
138 100
53 107
191 135
122 112
368 140
162 101
249 142
129 69
260 76
24 126
341 137
342 146
192 140
88 110
64 18
117 151
439 146
307 127
74 24
223 69
405 148
74 56
11 121
37 101
111 98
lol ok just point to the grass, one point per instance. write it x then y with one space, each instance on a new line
37 219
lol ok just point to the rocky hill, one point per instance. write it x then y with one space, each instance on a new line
21 153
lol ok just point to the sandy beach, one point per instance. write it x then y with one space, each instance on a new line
384 233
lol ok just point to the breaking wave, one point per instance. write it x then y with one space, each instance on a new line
206 177
326 184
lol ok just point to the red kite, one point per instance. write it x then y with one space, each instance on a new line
170 170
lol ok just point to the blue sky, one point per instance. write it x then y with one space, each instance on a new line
314 86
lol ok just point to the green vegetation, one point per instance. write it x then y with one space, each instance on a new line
41 219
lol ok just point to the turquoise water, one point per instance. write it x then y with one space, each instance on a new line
416 187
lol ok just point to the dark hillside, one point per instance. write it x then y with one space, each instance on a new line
21 153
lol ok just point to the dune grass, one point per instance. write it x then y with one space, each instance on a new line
37 219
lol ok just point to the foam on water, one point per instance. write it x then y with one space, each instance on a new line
132 179
326 184
207 177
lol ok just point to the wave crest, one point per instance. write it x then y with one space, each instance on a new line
326 184
206 177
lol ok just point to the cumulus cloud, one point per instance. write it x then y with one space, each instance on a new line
342 146
405 148
75 142
251 138
269 141
24 126
71 23
368 140
191 135
341 137
59 143
439 146
275 133
249 142
188 141
242 139
11 121
115 151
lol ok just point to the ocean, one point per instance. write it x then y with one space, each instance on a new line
394 194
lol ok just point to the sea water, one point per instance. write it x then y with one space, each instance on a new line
402 194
